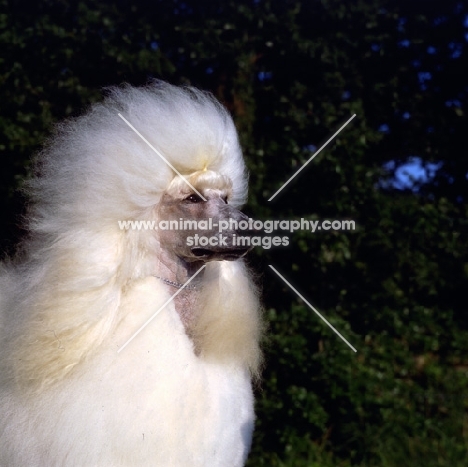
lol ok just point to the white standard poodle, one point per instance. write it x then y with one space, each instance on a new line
74 389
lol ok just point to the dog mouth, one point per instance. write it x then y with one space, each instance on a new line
220 255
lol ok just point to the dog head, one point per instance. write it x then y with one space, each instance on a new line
198 222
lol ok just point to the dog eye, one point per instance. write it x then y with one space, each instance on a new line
225 199
193 198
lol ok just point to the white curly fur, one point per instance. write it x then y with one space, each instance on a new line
81 286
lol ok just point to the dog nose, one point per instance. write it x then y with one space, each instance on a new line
245 225
229 212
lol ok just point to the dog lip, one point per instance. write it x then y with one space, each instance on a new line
225 254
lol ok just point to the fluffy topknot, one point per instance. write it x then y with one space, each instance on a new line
99 157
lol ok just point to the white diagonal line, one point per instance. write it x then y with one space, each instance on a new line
311 158
161 156
311 307
159 309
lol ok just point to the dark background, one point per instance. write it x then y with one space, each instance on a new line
291 73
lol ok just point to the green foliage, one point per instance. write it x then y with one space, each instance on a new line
292 72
